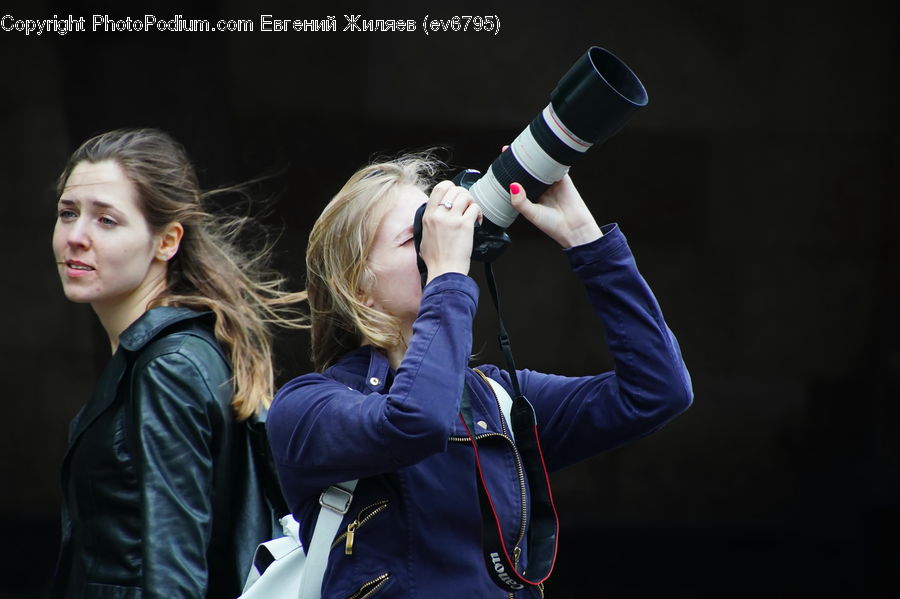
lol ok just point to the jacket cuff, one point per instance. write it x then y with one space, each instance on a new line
452 281
600 254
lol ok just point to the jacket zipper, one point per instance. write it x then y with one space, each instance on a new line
503 424
369 588
519 469
370 511
522 490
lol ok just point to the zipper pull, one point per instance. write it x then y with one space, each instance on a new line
351 532
517 553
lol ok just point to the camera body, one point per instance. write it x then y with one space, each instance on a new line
489 240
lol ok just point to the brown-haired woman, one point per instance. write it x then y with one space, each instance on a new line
159 480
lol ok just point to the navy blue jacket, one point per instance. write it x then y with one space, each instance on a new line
418 524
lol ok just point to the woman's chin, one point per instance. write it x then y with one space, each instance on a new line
79 296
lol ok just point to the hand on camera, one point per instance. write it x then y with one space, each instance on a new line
560 213
447 230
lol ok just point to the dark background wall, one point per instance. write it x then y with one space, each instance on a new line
758 190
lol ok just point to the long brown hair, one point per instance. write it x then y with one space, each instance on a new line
211 270
337 273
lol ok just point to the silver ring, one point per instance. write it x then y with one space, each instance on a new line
448 204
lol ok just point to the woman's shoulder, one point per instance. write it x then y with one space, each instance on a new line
305 382
352 370
183 364
347 374
165 321
178 336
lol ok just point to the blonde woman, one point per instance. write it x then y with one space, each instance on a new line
392 377
159 482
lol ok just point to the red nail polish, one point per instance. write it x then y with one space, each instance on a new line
515 189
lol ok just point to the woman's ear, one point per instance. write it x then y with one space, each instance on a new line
366 298
366 284
169 241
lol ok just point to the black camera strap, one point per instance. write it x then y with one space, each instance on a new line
544 524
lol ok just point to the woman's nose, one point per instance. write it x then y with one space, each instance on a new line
78 236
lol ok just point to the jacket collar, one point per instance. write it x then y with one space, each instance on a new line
365 368
134 338
152 323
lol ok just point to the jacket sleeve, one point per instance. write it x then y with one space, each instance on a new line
174 413
323 432
579 417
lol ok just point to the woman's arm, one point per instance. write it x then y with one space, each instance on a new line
323 432
581 416
560 213
175 406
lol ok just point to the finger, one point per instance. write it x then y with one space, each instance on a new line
462 199
520 201
440 193
455 200
472 213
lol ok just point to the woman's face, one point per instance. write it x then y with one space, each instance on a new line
398 286
104 249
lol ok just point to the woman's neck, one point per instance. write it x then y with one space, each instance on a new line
396 353
117 315
395 356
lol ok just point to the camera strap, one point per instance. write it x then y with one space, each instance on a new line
544 525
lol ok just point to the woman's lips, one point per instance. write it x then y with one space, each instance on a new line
76 268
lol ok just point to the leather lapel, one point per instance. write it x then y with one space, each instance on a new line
104 396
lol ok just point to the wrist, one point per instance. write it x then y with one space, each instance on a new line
443 269
581 235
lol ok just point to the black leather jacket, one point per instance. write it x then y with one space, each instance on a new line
159 482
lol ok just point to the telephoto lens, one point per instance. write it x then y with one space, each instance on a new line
588 106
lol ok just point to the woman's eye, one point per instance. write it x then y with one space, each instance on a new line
66 214
107 221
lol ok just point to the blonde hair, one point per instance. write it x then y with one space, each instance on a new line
211 270
337 273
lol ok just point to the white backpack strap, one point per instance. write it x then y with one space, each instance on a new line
505 401
335 501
